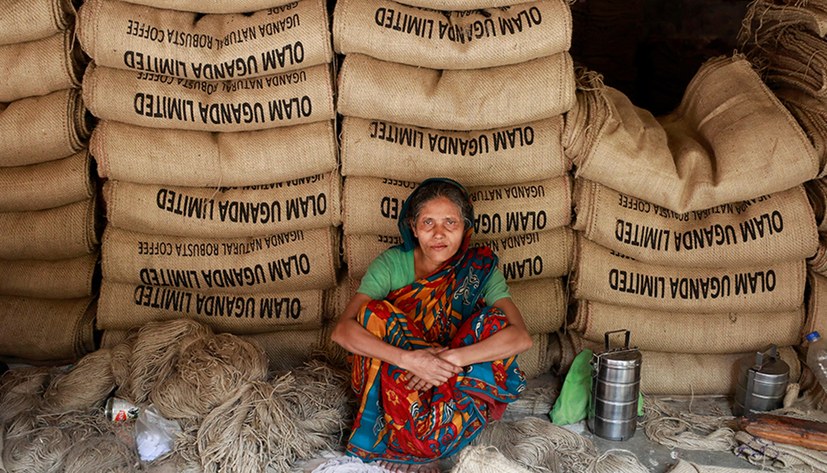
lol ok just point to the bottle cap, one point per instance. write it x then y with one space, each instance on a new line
813 336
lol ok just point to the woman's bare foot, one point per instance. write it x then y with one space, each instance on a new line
431 467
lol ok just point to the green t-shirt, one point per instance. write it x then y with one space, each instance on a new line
394 268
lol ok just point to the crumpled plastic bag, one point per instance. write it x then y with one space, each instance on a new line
154 434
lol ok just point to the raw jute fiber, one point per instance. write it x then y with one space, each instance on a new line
674 427
810 113
777 227
125 306
684 466
693 332
480 99
87 384
46 329
769 19
795 61
28 20
207 370
201 159
485 459
150 100
297 260
40 67
59 233
49 279
208 47
22 123
214 6
271 425
452 40
227 212
21 391
371 206
47 185
603 276
717 147
522 153
816 304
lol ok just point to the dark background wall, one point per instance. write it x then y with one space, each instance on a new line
650 49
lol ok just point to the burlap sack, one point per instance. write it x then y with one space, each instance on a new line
479 99
38 129
604 276
535 361
298 260
28 20
47 185
796 61
476 39
288 349
811 114
686 374
43 279
217 6
817 195
816 304
460 5
59 233
712 150
300 204
371 206
694 332
777 227
46 329
200 159
765 19
124 306
205 47
40 67
523 153
155 101
523 257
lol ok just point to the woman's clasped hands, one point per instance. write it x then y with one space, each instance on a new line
426 369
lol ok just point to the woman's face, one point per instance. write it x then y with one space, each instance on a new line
439 229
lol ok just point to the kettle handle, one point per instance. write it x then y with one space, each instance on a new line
628 336
770 353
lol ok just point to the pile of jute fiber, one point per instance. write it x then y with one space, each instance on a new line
220 154
477 96
49 248
234 414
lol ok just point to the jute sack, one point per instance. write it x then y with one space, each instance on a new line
604 276
777 227
476 39
124 306
694 332
817 195
811 113
215 6
479 99
460 5
297 260
371 206
688 374
818 262
47 185
288 349
764 19
200 159
44 279
522 257
59 233
40 67
28 20
816 304
155 101
796 61
522 153
46 329
205 47
38 129
300 204
712 150
535 361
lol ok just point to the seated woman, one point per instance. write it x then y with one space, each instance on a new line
434 334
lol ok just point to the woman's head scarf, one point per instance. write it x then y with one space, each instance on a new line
408 240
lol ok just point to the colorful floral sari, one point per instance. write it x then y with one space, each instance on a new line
396 424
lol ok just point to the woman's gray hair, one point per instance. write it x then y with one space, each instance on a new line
425 193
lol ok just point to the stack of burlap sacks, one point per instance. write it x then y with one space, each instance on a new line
789 40
474 95
693 228
50 244
217 138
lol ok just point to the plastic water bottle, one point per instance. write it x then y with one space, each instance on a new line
817 357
